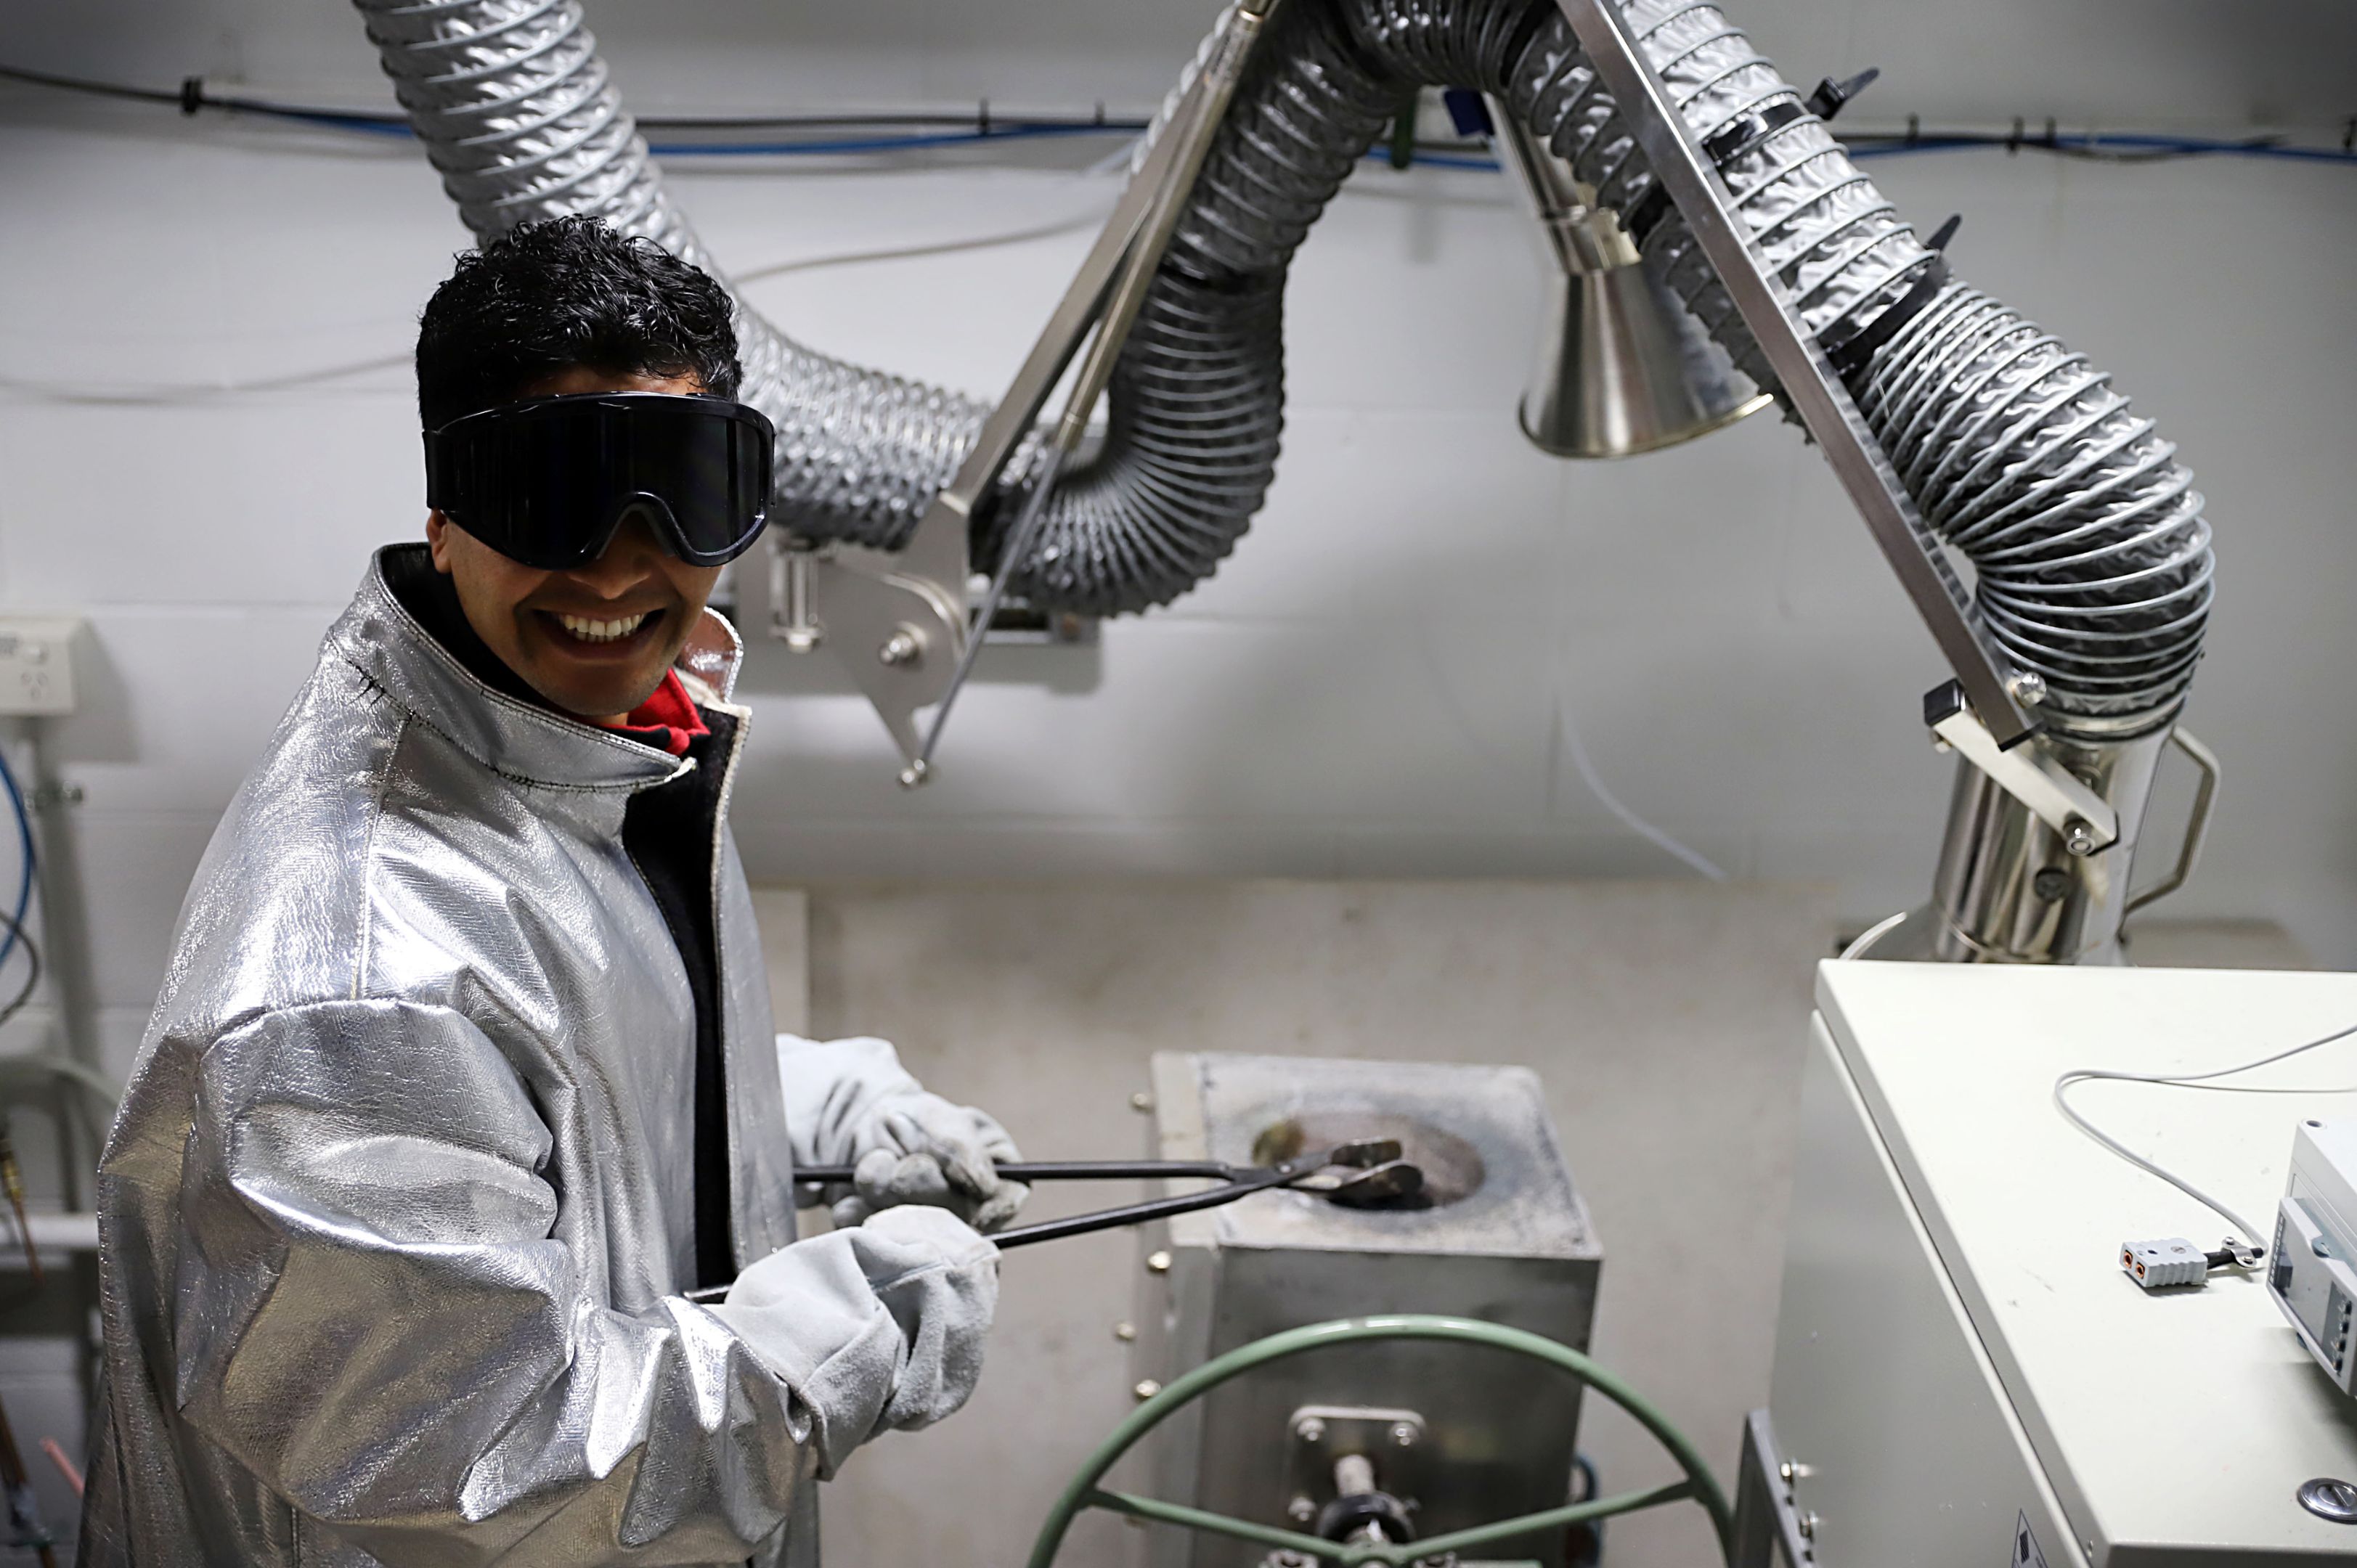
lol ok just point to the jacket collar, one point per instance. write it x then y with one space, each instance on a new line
378 636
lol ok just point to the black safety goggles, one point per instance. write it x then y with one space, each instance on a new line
547 482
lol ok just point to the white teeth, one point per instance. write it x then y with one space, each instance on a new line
589 630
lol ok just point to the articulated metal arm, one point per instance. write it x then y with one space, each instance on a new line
1692 179
909 606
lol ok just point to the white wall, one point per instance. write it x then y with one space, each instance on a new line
1383 681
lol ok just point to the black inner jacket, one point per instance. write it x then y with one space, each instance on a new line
670 832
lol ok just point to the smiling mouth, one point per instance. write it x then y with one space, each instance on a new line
602 632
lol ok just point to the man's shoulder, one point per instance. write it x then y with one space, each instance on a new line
274 914
364 843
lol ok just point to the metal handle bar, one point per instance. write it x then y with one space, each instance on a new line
2196 821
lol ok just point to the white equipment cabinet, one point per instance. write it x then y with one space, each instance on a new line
1964 1378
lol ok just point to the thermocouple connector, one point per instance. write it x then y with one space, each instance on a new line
2174 1260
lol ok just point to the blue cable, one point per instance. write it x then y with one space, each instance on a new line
877 144
2184 146
363 123
381 124
1438 160
25 876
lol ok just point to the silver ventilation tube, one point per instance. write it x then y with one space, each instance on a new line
2091 558
517 112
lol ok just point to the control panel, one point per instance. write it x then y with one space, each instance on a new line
2309 1271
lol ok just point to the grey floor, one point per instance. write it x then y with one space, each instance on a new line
1666 1020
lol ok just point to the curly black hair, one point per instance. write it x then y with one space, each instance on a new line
569 291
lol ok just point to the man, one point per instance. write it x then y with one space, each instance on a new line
462 1075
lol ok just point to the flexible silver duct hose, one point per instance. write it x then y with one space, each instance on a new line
2088 535
2092 559
517 112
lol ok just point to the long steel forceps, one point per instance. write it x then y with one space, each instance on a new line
1368 1174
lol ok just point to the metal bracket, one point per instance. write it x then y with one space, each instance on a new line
1693 182
1771 1529
896 626
1393 1440
2056 796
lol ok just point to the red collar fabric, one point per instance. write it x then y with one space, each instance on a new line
668 720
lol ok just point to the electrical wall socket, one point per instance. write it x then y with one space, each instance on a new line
37 664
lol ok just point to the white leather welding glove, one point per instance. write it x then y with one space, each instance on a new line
851 1103
878 1327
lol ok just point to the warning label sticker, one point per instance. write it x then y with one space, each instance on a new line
2025 1546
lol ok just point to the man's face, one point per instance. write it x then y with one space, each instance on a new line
594 640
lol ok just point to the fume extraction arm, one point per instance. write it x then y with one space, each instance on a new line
1954 423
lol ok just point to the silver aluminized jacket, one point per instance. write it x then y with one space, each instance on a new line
401 1193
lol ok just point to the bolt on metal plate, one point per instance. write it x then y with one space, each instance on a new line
1389 1439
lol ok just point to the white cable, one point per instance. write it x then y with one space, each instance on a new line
1088 220
2249 1232
45 391
1872 934
1121 160
1635 823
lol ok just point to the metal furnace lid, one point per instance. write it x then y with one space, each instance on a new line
1481 1132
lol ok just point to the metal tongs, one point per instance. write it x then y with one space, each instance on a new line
1368 1174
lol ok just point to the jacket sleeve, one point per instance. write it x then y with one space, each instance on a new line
377 1317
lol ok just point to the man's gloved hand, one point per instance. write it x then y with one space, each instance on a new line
850 1103
919 1148
877 1328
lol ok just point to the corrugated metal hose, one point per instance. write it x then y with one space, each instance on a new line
2091 559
